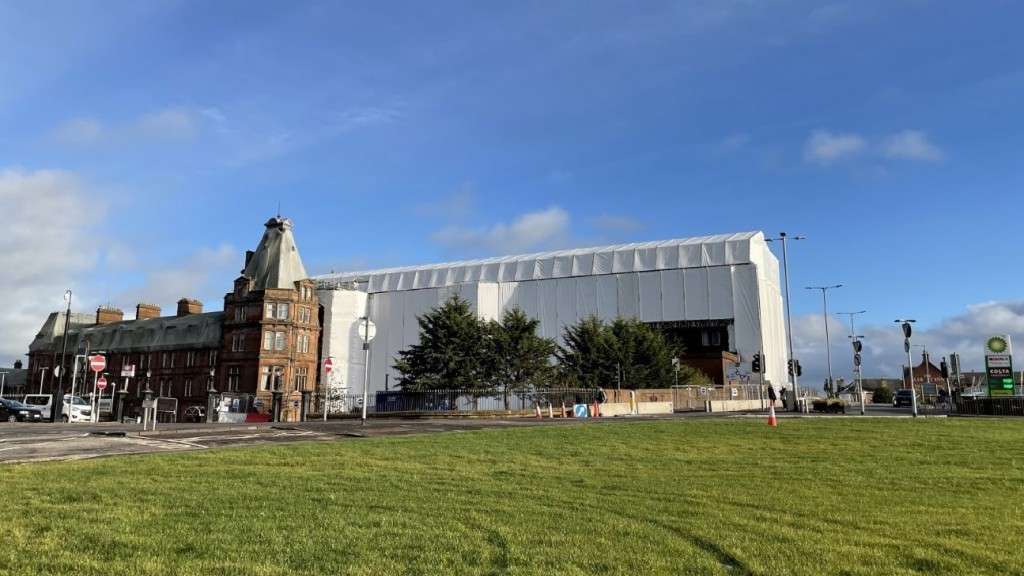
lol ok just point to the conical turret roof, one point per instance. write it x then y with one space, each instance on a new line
276 263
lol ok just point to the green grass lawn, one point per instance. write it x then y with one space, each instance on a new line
698 496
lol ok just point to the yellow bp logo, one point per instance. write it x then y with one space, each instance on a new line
997 345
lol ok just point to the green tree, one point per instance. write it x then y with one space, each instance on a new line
454 352
626 352
586 357
882 395
521 359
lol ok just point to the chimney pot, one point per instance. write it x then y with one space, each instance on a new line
146 311
108 315
188 306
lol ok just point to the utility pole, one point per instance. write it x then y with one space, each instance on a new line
58 398
793 377
857 347
828 342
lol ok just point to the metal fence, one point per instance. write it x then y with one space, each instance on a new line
445 402
694 398
982 406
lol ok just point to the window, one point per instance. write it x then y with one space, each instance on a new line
270 377
239 313
234 375
165 360
302 343
172 359
279 341
282 311
238 343
213 357
300 378
188 387
268 340
304 315
190 358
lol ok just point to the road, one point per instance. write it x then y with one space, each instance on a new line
20 442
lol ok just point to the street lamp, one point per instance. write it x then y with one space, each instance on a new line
793 378
905 324
211 402
58 398
828 342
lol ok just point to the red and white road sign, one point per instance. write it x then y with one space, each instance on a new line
328 365
101 383
97 363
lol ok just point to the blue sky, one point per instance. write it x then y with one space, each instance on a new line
142 145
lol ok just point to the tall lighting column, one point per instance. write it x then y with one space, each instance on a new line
793 378
828 343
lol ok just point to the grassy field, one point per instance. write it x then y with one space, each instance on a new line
698 496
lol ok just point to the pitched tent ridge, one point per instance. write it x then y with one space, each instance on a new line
701 251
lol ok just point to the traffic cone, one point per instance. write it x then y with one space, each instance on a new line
771 417
537 407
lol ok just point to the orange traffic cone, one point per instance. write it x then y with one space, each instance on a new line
771 417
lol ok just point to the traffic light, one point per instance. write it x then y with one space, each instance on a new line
944 368
755 364
799 369
789 366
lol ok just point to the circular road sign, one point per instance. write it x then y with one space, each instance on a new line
328 365
101 383
97 363
367 330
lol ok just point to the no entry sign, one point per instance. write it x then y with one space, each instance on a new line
328 366
97 363
101 383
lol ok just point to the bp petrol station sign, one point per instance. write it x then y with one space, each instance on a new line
999 366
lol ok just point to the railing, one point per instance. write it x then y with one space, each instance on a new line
983 406
693 398
446 402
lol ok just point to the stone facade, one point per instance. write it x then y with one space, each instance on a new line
263 347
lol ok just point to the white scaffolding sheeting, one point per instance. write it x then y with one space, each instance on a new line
727 277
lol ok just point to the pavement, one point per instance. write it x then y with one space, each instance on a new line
27 442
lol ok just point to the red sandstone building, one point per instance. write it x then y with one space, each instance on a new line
259 354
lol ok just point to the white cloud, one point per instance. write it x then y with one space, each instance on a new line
174 123
535 230
732 143
362 117
824 147
883 355
205 274
458 205
79 132
911 145
46 243
617 224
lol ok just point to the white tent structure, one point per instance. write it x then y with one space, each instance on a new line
724 280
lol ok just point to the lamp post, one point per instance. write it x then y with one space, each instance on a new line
905 324
58 397
211 398
828 342
793 378
275 402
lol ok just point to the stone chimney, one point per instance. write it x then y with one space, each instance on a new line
108 314
188 306
146 311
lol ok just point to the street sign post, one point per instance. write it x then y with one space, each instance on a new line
367 330
97 363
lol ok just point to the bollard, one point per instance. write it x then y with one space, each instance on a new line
596 410
551 411
537 410
564 413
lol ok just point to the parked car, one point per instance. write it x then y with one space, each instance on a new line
14 411
904 398
76 409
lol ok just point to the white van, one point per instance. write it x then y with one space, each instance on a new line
76 409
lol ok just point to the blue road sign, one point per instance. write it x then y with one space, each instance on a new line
580 410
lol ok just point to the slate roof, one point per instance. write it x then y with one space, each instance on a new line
149 335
